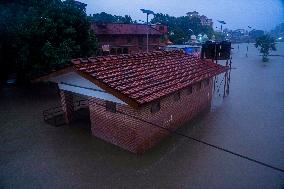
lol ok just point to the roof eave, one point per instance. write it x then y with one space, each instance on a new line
110 90
53 74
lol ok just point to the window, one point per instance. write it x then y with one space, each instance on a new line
177 96
112 51
189 90
198 86
155 40
129 40
155 107
111 107
140 40
119 51
125 50
205 82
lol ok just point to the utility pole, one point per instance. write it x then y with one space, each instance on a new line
147 12
221 22
147 33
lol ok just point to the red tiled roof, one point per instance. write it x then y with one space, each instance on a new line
127 29
146 77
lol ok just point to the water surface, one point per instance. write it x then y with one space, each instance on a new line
249 121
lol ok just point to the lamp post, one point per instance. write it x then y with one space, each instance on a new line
221 22
148 12
251 29
248 40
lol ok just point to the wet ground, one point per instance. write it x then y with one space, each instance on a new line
249 121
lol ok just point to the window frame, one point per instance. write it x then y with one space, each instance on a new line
189 90
198 86
110 106
155 107
176 96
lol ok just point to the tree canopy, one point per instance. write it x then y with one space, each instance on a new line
266 44
37 37
181 28
108 18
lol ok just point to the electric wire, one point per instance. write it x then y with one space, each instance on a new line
201 141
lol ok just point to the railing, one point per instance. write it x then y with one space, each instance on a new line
55 115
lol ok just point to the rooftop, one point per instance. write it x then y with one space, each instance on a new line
144 77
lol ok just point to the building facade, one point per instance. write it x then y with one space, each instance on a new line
206 21
117 38
203 19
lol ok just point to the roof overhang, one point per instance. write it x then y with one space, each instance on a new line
110 90
53 74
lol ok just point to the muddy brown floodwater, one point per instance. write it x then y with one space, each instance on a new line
249 121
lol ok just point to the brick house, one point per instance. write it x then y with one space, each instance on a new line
129 38
127 94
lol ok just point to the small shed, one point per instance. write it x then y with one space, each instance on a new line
134 100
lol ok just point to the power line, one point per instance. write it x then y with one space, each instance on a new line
198 140
203 142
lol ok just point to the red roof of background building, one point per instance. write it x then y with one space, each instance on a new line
127 29
142 77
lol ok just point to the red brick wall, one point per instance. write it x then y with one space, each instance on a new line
137 136
133 45
67 105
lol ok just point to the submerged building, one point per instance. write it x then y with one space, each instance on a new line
135 100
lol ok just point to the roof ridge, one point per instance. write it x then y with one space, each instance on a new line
121 56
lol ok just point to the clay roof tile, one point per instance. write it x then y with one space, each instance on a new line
144 77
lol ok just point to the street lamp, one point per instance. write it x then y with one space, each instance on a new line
221 22
148 12
251 29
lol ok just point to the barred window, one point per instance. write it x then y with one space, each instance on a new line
205 82
177 96
189 90
110 106
198 86
155 107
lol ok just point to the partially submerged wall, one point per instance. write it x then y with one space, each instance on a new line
123 126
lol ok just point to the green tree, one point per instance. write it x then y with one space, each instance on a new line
180 28
265 43
37 37
108 18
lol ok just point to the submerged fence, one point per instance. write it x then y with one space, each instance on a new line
55 115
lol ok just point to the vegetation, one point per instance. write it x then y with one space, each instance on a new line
108 18
40 36
265 43
181 28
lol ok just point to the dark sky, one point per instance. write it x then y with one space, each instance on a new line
260 14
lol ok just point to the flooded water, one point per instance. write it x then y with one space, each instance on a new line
249 121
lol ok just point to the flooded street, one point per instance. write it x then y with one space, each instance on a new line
249 121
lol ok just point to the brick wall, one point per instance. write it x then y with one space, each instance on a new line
137 136
67 105
134 43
